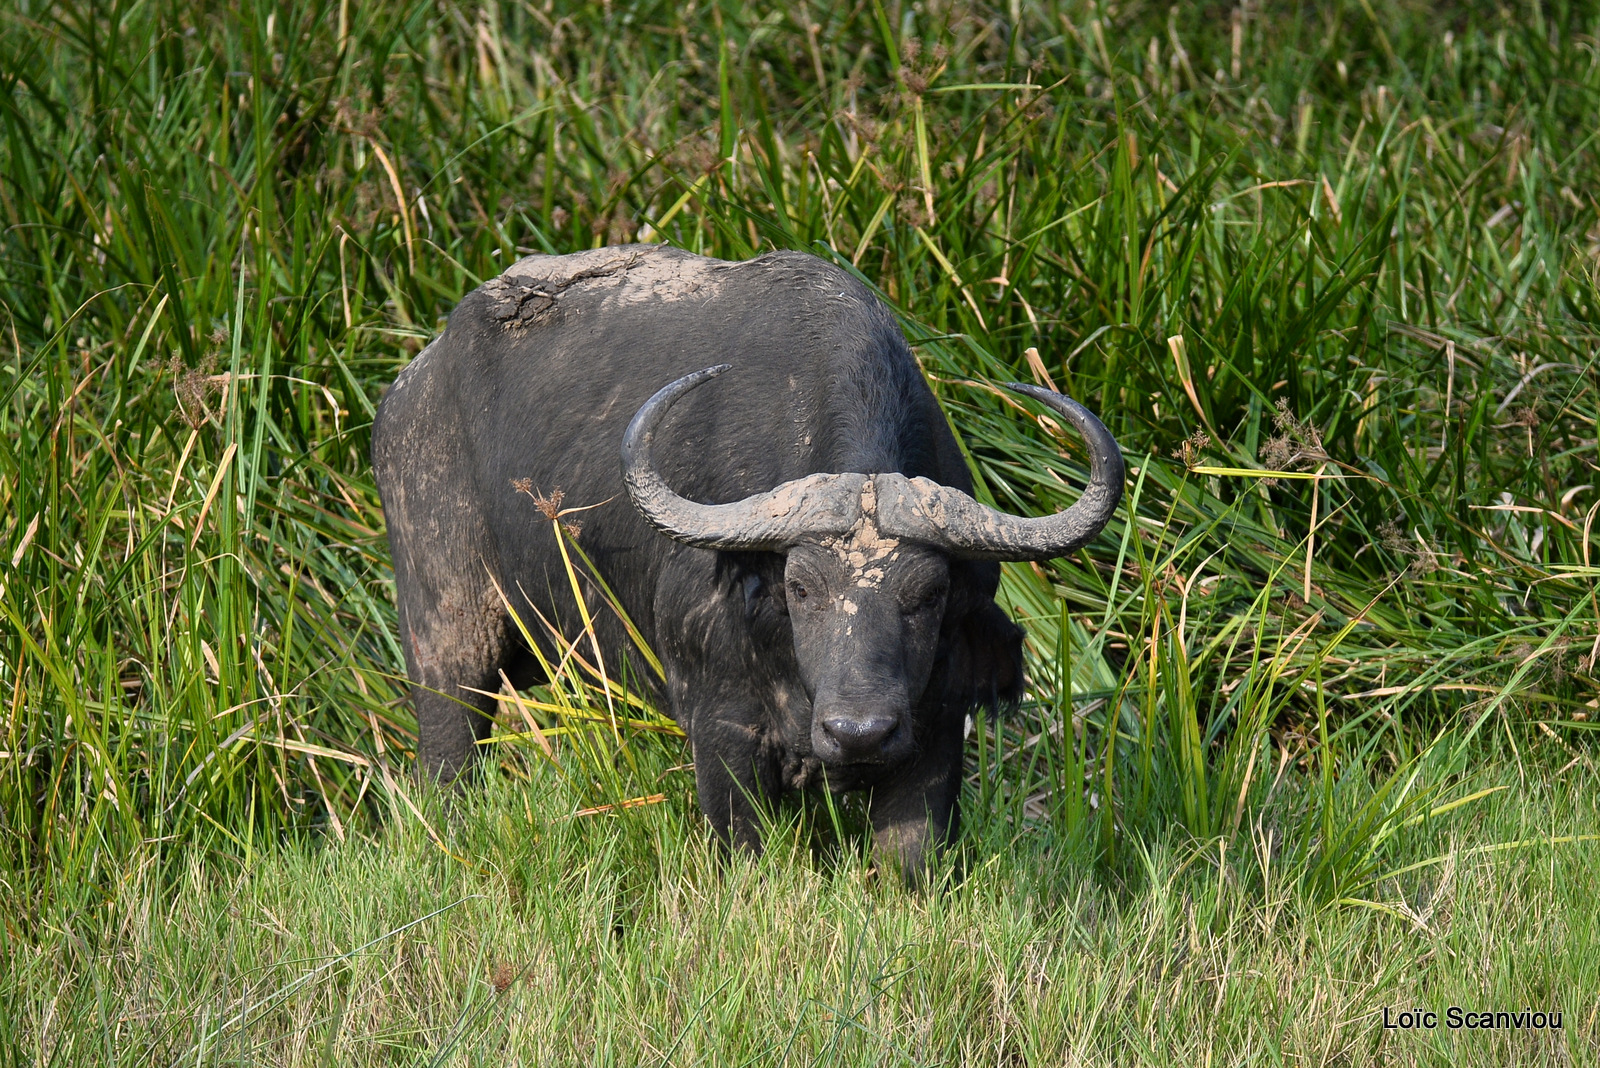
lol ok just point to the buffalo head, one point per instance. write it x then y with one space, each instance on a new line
867 572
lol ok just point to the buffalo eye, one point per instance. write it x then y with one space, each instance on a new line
930 599
798 591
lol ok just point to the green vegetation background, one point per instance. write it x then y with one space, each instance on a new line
1299 744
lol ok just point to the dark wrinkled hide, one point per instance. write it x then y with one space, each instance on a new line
536 377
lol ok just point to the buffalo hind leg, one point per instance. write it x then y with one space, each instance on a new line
453 625
448 733
456 645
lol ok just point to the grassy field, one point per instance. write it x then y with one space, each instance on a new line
620 941
1310 729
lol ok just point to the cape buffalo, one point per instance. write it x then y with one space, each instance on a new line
793 537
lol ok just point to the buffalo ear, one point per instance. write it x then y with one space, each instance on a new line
985 657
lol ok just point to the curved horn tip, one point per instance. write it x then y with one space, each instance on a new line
1062 403
693 378
1028 389
1105 456
653 409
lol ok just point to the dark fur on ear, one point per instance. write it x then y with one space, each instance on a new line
984 658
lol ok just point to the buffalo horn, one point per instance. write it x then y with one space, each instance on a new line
918 509
770 521
914 509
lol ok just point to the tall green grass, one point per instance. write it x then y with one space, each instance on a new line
1330 275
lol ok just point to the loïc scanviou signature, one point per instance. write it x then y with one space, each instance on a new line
1457 1018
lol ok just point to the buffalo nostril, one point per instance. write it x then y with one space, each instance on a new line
860 734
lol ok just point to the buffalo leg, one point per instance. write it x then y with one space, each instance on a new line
918 814
448 733
453 625
456 643
451 718
734 779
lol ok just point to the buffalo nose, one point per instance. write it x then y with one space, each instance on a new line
861 735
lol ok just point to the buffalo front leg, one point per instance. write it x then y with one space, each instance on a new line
734 778
917 815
